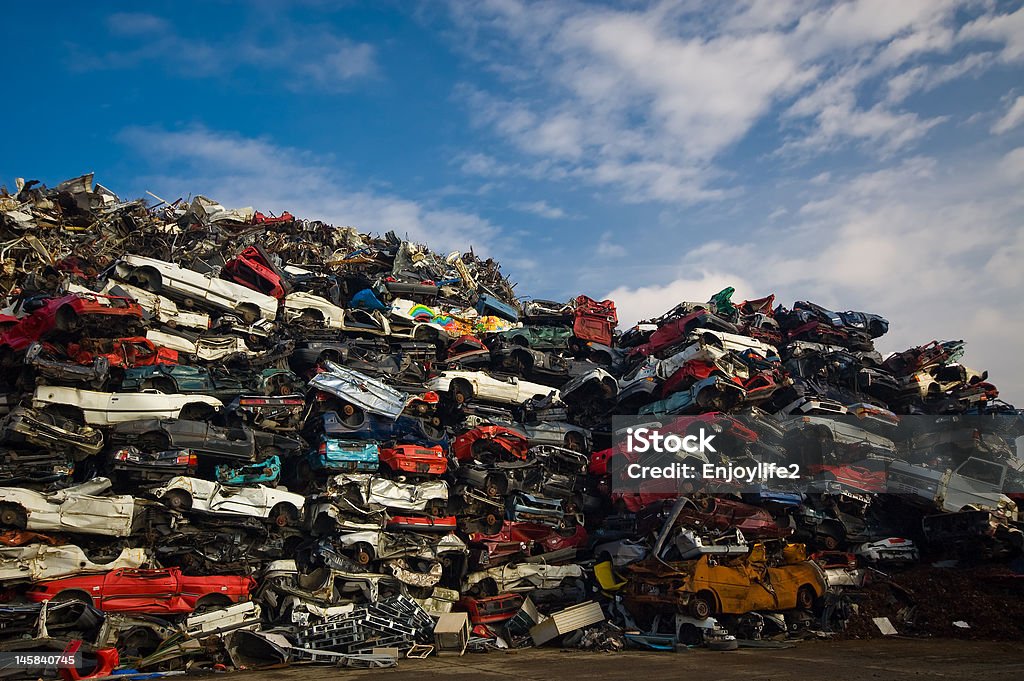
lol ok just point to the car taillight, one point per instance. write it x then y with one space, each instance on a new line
121 455
322 449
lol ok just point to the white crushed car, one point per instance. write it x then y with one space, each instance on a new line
258 501
306 307
78 508
36 562
520 577
192 287
106 409
161 307
365 490
469 385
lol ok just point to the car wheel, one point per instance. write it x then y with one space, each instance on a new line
363 553
494 488
178 500
351 416
13 516
248 313
830 542
805 598
461 392
702 605
492 524
283 515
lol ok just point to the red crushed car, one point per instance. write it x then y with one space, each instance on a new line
491 609
714 514
414 459
284 218
71 313
534 539
676 331
860 478
252 268
165 591
137 351
594 321
468 351
496 441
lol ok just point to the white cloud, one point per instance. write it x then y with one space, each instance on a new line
1007 29
647 99
1013 117
934 247
541 208
344 61
293 57
606 248
240 171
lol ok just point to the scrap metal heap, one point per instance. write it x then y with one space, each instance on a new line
233 438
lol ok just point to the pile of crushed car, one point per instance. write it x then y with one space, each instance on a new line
232 439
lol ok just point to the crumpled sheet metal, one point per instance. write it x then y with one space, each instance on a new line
360 390
37 562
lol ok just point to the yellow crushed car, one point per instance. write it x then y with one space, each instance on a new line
733 585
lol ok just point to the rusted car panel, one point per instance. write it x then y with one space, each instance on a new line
733 585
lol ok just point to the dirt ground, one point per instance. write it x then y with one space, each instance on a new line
834 660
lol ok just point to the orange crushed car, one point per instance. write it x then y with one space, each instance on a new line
712 585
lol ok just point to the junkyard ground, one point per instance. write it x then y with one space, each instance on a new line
833 660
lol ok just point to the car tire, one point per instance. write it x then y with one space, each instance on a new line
13 515
461 392
805 597
177 500
363 553
702 605
283 515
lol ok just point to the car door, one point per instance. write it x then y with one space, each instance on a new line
149 403
503 389
136 590
248 501
97 515
731 581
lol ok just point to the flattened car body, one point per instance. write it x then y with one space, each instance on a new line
374 491
727 585
211 497
360 390
105 409
37 562
77 509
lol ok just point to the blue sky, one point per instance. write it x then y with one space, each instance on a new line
863 154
